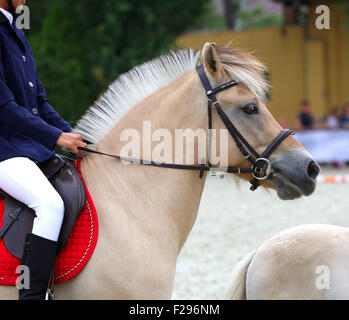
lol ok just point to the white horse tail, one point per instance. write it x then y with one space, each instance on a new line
237 289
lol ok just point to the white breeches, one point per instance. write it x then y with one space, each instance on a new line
21 178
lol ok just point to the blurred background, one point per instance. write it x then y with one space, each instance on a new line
82 46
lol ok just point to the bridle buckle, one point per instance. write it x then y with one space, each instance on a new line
247 155
257 169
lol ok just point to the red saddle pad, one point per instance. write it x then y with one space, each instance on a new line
75 255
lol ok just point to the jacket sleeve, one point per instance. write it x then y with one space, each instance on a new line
46 110
23 121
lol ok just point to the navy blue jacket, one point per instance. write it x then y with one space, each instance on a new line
29 126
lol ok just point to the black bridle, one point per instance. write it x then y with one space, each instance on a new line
260 168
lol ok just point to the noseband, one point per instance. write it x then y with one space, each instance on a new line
260 165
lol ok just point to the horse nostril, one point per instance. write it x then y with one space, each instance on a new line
313 170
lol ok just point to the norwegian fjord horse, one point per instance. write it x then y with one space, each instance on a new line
146 213
308 262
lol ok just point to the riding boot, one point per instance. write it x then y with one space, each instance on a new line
39 256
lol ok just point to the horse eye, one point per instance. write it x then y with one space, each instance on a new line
250 109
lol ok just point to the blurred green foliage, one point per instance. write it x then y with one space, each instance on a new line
258 18
344 6
82 46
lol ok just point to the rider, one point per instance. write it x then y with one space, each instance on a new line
29 130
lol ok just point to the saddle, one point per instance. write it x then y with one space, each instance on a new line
18 218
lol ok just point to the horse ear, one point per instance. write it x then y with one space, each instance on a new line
211 60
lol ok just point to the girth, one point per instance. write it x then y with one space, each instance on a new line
260 165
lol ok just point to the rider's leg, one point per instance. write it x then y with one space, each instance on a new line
23 180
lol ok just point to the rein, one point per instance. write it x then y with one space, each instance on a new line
261 167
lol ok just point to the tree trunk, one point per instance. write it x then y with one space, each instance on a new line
231 8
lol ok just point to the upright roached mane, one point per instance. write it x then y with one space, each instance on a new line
142 81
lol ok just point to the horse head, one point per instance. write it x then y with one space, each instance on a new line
240 89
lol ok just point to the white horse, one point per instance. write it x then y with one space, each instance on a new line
308 262
146 213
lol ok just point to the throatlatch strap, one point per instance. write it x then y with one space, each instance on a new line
209 132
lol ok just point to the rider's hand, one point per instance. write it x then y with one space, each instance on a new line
71 141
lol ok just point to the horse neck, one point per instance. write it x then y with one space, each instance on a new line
161 202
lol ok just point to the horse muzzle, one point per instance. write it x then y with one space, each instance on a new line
294 174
